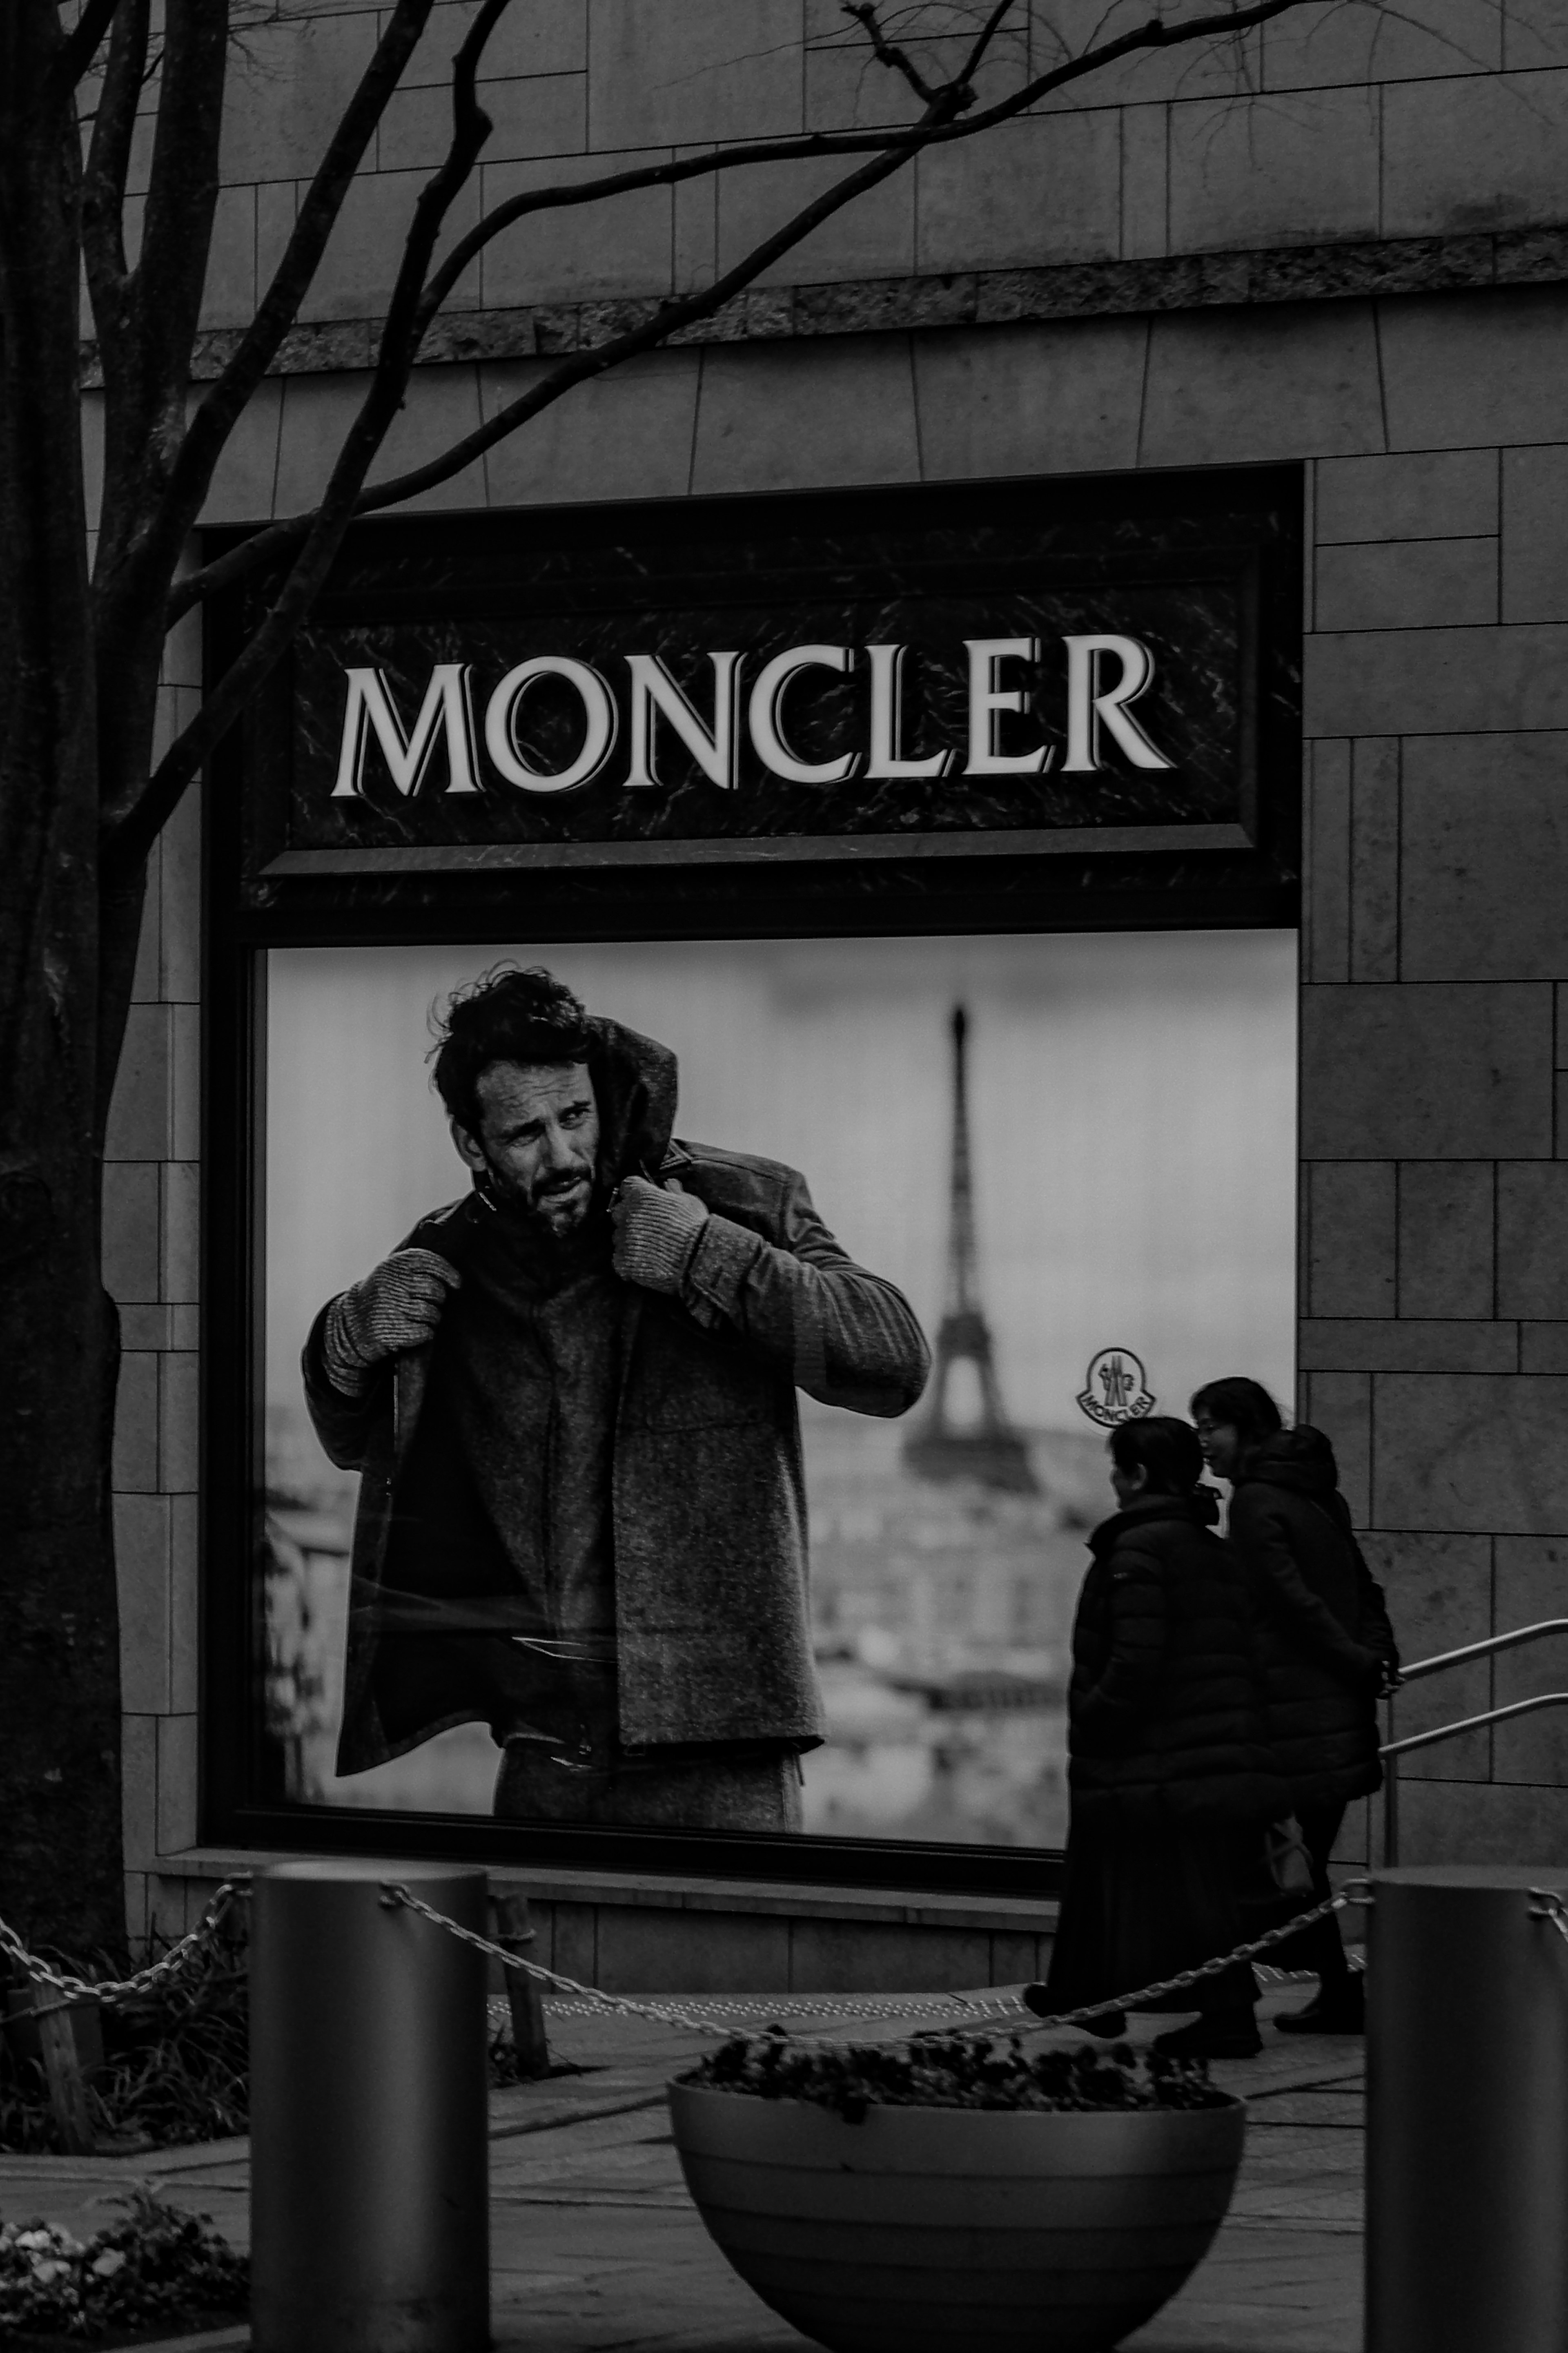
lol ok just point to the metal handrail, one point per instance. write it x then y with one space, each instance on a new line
1473 1722
1392 1750
1483 1649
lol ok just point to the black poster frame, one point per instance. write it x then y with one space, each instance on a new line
928 890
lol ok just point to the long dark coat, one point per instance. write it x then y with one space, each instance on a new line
708 1507
1163 1711
1322 1632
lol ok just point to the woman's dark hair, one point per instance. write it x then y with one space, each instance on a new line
1241 1405
507 1015
1166 1449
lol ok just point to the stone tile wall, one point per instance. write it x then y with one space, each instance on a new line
151 1246
1333 122
1432 1229
662 1939
643 1935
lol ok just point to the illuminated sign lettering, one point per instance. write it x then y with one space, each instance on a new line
1106 675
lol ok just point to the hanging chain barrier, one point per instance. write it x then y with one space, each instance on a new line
394 1895
991 2010
74 1988
1354 1892
962 2012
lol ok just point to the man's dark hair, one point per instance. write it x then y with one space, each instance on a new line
1241 1405
507 1015
1166 1449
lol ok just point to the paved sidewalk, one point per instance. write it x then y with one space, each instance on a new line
596 2248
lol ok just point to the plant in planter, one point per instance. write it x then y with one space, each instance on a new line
953 2192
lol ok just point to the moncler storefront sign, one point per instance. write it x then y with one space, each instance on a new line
1105 673
1008 668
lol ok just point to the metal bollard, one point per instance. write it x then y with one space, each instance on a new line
368 2128
1466 2155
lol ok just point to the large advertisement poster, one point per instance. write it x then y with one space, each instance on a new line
686 1365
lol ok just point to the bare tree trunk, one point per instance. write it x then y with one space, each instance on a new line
61 1864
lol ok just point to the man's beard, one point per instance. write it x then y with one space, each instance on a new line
561 1209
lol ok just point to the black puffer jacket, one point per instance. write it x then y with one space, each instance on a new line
1323 1640
1163 1712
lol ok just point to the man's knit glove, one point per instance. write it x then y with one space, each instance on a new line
397 1306
656 1233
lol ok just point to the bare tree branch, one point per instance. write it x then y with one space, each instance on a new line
144 412
888 53
103 182
1157 33
274 544
279 306
984 38
268 546
183 183
565 194
131 825
82 43
135 832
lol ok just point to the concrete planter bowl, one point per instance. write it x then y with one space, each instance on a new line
939 2230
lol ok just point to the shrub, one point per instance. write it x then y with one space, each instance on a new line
158 2265
176 2059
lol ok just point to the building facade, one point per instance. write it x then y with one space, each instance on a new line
1334 243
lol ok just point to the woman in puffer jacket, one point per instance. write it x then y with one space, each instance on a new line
1165 1757
1325 1649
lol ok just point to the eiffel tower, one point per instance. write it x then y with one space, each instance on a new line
992 1452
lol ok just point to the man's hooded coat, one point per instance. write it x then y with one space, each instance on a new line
707 1503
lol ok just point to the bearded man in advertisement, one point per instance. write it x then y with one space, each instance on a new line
570 1396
